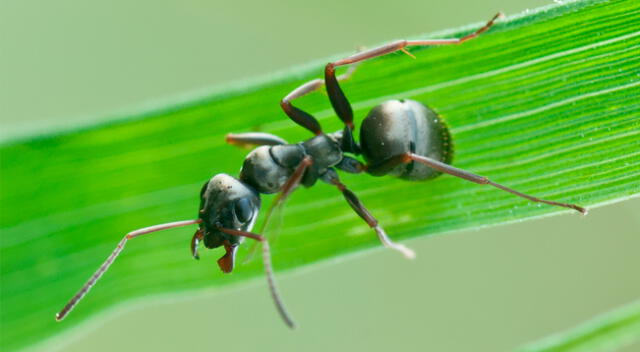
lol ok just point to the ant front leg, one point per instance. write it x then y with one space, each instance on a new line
288 188
253 139
331 177
339 101
195 241
276 206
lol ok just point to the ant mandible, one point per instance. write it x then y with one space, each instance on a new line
403 138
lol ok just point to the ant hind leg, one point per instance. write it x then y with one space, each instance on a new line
338 99
405 158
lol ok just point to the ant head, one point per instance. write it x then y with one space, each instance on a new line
228 203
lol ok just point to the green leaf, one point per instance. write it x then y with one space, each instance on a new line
608 332
547 102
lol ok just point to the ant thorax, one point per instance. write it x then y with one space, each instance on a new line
267 168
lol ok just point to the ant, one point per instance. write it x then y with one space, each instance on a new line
403 138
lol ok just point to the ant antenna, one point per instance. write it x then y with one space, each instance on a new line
268 269
107 263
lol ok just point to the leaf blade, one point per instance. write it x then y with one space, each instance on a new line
607 332
512 103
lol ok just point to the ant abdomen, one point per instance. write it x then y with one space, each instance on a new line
396 127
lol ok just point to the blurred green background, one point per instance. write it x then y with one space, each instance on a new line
69 63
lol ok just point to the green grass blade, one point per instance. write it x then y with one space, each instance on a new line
608 332
547 102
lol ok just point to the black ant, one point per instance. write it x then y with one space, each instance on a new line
403 138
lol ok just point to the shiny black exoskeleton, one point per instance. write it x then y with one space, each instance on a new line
403 138
393 128
405 126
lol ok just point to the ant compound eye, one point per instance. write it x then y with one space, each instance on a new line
243 210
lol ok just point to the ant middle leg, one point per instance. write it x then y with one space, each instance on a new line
300 117
405 158
332 178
